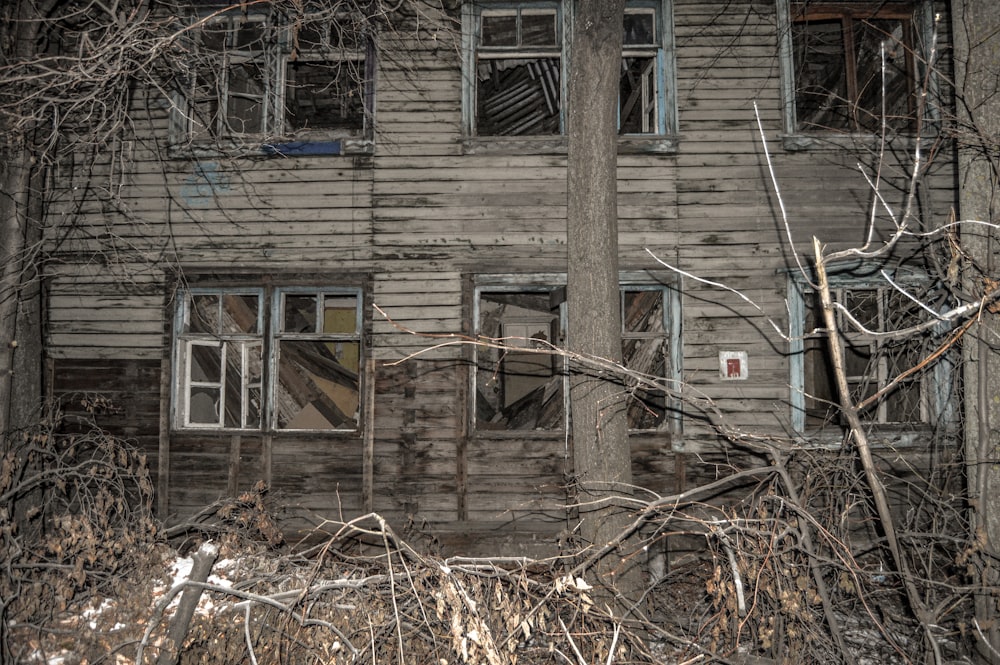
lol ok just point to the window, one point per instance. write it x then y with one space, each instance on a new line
516 59
836 75
302 374
522 386
872 362
300 84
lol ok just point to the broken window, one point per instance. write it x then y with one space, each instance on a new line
521 383
272 78
854 66
641 96
644 350
874 361
225 379
517 62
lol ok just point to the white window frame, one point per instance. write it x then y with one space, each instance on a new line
275 136
660 138
555 283
267 337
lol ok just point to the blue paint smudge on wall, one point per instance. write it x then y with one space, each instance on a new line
203 184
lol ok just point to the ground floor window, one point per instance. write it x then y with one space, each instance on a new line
268 358
521 380
885 371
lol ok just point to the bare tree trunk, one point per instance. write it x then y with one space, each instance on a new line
599 424
977 58
20 328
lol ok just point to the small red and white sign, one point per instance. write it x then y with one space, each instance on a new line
733 365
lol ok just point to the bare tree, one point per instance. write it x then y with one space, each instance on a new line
601 453
977 60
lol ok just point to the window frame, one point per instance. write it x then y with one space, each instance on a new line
662 140
554 283
275 137
919 14
937 405
268 335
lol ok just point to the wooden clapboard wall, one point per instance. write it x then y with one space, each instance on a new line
420 217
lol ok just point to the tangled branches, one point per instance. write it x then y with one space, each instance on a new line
73 512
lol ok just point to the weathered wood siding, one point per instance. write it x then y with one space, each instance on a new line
421 216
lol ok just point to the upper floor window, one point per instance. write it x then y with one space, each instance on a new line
290 85
515 59
885 373
852 66
521 381
268 359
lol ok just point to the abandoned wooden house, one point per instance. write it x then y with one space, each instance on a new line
313 223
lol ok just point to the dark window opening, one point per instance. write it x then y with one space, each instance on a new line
840 81
871 362
520 386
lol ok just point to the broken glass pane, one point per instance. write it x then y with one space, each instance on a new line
637 96
245 101
518 97
647 407
324 96
240 313
204 406
317 385
206 362
204 314
520 386
300 314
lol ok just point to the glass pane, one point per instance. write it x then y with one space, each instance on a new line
328 95
300 314
318 386
215 36
863 306
820 391
637 96
858 359
646 407
538 28
240 313
340 314
903 404
869 39
640 27
518 97
203 316
204 406
821 100
517 388
249 35
243 381
499 28
206 363
642 311
245 102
